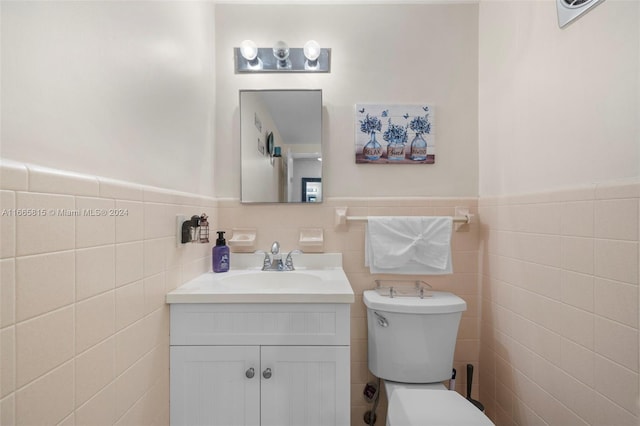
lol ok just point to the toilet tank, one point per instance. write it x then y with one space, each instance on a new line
412 340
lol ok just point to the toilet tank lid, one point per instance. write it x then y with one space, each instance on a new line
441 302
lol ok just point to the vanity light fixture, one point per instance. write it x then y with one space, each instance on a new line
282 58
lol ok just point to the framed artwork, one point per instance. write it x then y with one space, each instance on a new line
395 134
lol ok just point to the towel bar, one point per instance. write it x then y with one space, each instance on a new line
462 217
458 219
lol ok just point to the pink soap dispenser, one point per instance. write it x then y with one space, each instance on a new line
220 254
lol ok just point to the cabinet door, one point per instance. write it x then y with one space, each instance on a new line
308 385
210 385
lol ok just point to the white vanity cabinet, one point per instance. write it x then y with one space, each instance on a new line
260 364
208 386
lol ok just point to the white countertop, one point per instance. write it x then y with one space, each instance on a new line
318 278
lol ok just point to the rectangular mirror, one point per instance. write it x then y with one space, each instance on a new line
281 146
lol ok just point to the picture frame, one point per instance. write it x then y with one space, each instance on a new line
395 134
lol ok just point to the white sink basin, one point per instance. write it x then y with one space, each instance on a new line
270 280
318 278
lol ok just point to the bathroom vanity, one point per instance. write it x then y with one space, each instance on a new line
251 347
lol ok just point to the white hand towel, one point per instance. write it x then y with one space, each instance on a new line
409 245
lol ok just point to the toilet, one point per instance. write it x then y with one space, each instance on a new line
411 346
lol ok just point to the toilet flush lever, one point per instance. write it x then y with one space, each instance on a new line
382 321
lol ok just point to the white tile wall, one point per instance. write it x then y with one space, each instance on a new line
83 323
7 225
129 262
44 227
95 271
89 378
559 295
571 355
44 282
129 304
97 228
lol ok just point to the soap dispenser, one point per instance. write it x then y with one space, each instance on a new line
220 254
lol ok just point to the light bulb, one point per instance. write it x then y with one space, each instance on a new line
248 50
312 50
281 52
311 53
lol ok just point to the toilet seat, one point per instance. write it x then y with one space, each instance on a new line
419 407
390 386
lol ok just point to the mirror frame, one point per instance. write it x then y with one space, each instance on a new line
268 152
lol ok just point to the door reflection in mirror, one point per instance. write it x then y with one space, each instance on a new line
311 190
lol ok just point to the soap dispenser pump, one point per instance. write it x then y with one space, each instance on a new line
220 254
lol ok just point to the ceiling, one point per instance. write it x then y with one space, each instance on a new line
296 113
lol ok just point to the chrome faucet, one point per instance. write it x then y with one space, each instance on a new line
276 257
274 262
275 247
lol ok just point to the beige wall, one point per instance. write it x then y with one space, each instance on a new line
118 89
380 54
558 107
84 329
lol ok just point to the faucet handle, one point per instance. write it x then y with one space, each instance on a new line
266 262
288 263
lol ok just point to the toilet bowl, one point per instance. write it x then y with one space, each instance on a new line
421 407
411 346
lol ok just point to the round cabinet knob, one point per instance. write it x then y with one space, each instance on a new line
266 373
250 373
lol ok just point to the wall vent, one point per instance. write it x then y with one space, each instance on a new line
570 10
